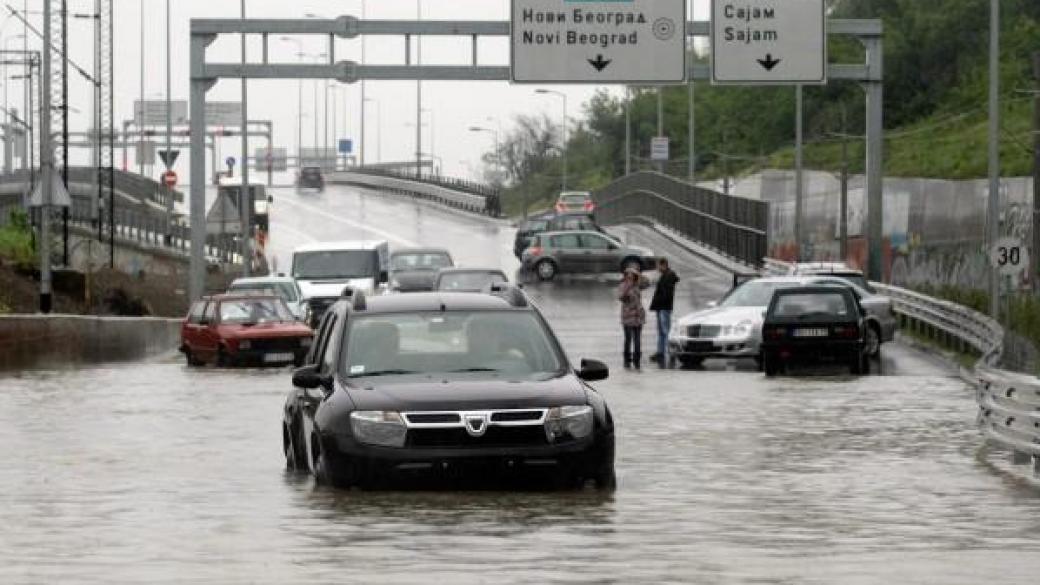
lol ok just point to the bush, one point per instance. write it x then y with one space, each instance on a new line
16 241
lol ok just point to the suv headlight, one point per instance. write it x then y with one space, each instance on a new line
568 422
382 429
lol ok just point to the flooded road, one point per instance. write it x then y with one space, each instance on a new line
154 473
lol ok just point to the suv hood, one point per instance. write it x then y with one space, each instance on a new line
333 288
438 393
725 316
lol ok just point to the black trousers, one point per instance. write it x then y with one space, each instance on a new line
633 344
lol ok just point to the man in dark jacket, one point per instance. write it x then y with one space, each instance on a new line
663 304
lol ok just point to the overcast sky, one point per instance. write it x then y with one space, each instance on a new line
455 105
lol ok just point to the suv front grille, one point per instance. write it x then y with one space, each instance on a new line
496 436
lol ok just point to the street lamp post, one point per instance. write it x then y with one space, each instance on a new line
299 101
246 192
364 98
565 130
433 132
498 157
379 131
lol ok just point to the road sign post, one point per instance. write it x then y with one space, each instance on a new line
599 41
762 42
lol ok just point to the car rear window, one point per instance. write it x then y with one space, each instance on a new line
575 198
469 280
812 305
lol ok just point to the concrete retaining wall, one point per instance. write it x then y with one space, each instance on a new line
35 341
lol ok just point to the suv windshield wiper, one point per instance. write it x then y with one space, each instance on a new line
468 370
384 373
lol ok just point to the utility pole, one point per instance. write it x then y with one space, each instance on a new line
1034 276
660 123
628 131
246 193
798 179
843 220
691 164
992 218
46 167
364 98
141 122
169 125
418 97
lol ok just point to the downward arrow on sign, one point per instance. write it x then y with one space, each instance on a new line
599 63
769 62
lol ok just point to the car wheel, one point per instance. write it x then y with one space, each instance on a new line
223 360
546 270
856 367
192 361
873 341
294 457
690 362
770 366
631 264
606 479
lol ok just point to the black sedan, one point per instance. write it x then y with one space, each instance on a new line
815 324
311 178
445 387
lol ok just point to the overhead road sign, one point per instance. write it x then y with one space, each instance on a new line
768 42
599 41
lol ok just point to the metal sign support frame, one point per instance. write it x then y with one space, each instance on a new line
205 75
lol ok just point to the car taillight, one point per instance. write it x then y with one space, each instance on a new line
590 206
775 333
846 332
534 251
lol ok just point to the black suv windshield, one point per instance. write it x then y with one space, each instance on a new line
336 264
510 344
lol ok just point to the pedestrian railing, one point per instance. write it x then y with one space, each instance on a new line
1009 402
446 195
143 220
732 226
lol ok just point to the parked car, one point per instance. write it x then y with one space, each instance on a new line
439 386
471 280
415 269
311 178
281 286
554 253
732 328
232 329
527 230
815 324
837 269
325 270
576 202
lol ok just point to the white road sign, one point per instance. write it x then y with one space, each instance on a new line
659 148
599 41
1009 256
761 42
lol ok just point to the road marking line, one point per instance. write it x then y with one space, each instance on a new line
385 234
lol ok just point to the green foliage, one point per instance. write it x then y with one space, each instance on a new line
16 241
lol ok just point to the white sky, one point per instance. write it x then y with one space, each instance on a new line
456 105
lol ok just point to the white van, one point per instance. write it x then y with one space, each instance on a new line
324 270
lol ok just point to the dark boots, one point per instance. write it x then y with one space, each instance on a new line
636 359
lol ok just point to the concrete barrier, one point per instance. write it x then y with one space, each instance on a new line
35 341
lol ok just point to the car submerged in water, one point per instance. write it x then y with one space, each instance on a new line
243 330
445 387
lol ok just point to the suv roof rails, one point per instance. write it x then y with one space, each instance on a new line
356 298
511 293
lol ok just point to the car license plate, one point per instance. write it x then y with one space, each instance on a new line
273 358
803 333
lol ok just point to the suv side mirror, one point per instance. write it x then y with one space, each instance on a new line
593 371
309 378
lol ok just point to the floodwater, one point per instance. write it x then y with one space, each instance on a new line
156 473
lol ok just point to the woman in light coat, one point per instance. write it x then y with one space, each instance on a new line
633 315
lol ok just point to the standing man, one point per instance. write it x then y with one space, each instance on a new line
663 303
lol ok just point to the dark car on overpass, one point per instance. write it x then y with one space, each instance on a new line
415 269
445 387
311 178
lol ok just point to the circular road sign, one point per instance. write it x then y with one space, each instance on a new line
1009 256
169 179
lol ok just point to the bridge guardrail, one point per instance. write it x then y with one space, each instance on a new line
141 222
135 186
733 226
1009 402
392 183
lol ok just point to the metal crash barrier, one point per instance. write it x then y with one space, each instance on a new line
1009 402
438 190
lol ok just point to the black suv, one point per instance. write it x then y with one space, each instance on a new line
311 178
430 386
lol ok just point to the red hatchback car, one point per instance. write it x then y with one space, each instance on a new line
231 330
